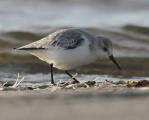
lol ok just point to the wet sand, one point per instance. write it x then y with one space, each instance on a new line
82 104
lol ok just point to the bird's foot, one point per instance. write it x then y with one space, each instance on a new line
75 81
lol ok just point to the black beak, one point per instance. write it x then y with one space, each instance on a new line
111 57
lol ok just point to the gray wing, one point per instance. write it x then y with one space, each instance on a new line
68 39
65 38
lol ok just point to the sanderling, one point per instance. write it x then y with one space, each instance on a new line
67 49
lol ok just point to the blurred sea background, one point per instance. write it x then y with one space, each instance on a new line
125 22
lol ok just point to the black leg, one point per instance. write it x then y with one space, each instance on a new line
52 80
75 80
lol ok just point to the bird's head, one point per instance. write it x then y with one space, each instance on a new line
105 48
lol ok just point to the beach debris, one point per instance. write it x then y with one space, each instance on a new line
71 86
68 84
121 82
104 84
108 83
74 81
76 86
91 83
8 84
142 83
12 85
131 83
18 81
82 85
63 84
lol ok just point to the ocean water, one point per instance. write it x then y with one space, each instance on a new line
125 22
24 14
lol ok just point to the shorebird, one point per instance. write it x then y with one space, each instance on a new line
67 49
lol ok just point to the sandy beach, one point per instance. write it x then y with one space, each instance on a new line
82 104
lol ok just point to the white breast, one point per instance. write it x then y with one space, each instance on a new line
67 59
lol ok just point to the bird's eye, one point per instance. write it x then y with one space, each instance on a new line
105 49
